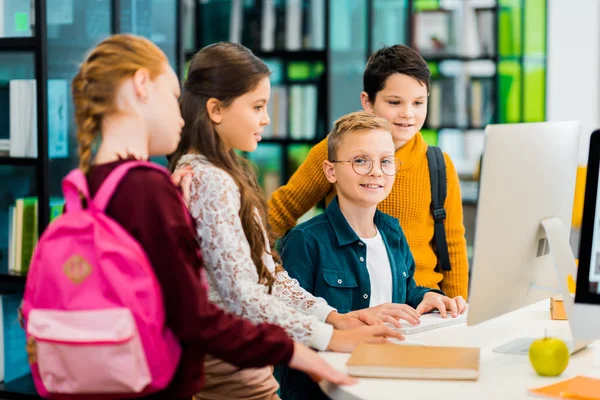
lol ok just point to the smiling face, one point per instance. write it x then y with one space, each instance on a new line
362 190
403 102
241 124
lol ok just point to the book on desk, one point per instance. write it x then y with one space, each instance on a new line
414 362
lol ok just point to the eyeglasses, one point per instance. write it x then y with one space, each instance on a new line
363 165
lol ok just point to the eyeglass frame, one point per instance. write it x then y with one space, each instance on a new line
398 164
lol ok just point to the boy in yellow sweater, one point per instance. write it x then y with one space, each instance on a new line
396 85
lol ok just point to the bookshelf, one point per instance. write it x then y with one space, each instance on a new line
488 63
45 55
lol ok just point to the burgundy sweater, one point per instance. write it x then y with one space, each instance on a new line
147 205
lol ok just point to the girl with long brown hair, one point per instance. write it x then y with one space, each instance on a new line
224 105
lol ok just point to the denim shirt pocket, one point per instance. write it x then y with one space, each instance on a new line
340 285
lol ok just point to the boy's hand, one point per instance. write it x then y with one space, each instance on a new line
432 301
346 341
351 320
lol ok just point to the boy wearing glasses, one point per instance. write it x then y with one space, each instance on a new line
354 256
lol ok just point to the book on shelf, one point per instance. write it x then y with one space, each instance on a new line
14 363
414 362
486 24
23 237
278 113
4 119
23 118
290 25
58 119
481 102
303 101
443 103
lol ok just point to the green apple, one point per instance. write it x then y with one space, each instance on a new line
549 356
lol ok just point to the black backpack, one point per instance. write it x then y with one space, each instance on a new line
437 177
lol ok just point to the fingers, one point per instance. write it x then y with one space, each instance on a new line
439 304
369 318
181 173
403 311
186 185
451 305
461 304
384 331
422 308
339 378
392 320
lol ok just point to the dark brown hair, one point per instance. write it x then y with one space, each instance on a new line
397 59
226 71
113 60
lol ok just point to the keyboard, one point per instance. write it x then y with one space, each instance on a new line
428 322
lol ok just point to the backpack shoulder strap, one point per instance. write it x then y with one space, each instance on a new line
110 184
73 185
437 178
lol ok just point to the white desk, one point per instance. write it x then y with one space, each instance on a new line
501 376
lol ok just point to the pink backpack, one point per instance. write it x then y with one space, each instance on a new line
93 308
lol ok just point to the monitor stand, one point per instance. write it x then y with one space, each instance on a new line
564 266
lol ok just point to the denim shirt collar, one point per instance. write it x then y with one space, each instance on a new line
345 234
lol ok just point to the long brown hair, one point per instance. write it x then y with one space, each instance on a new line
226 71
112 61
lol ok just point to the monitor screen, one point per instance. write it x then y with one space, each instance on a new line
588 274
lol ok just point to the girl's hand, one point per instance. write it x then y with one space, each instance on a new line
182 178
306 360
346 341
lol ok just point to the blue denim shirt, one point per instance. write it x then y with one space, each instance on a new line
329 260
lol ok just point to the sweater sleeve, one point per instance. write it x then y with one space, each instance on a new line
305 189
147 205
456 281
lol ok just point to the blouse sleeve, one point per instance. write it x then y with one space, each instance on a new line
215 205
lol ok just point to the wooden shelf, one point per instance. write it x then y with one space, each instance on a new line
8 278
22 388
17 44
19 161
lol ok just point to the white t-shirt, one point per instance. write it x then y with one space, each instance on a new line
380 271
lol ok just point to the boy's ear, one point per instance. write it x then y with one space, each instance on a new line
329 171
213 108
366 103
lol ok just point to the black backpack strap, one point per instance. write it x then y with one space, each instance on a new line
437 177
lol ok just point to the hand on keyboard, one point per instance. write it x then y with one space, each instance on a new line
435 301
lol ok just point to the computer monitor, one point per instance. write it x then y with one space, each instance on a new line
585 317
523 217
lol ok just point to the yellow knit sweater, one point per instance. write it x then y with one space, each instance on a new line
409 201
